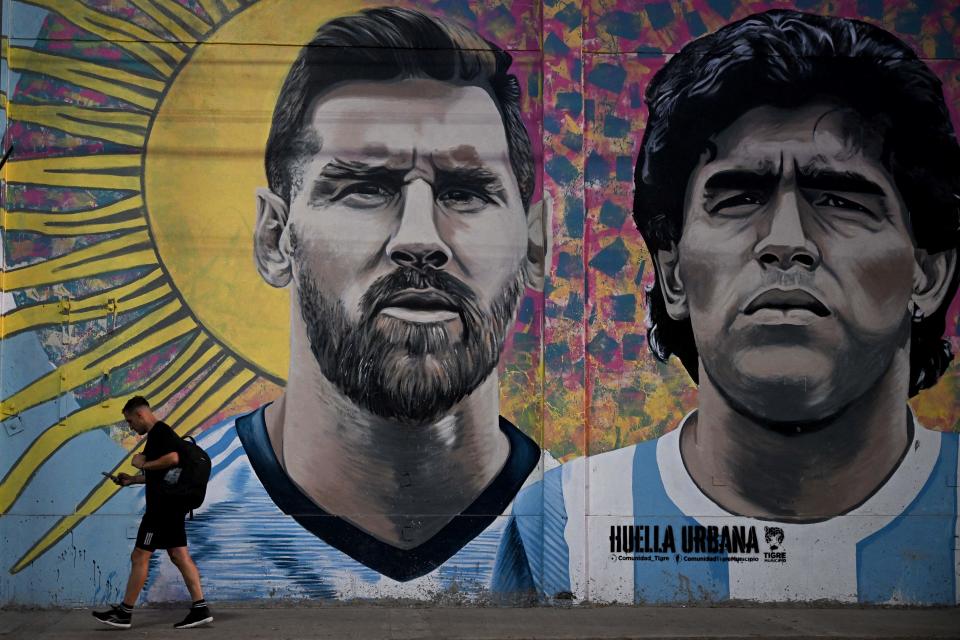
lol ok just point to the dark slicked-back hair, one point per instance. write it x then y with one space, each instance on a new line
786 59
135 403
388 44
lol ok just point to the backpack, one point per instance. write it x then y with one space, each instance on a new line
186 483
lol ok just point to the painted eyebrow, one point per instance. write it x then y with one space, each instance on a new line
742 180
350 169
325 185
823 179
477 177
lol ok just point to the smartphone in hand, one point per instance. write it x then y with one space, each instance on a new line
111 476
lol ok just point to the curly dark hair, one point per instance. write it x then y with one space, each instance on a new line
385 44
783 59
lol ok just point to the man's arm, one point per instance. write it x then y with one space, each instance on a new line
125 479
165 461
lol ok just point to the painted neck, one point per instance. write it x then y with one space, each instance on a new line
381 475
755 470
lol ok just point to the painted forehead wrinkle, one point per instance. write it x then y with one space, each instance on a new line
466 154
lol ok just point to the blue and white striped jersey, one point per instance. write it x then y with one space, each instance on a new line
571 533
246 546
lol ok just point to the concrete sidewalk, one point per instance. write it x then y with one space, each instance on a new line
248 622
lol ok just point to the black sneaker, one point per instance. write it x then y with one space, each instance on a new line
115 617
197 616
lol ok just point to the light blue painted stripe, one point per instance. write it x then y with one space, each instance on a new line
223 464
913 558
229 437
669 582
556 554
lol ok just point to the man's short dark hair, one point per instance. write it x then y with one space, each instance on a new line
135 403
385 44
786 59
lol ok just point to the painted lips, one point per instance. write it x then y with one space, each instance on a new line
420 305
787 300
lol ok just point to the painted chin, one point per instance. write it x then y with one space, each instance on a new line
784 366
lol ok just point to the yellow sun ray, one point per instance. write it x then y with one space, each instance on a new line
118 254
132 38
166 382
121 127
179 22
160 327
227 381
203 373
98 305
118 83
106 171
221 385
3 100
78 223
212 9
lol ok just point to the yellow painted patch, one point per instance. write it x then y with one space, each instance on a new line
204 161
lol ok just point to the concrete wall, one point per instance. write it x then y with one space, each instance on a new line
434 349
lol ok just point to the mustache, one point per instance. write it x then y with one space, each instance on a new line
441 284
791 279
786 289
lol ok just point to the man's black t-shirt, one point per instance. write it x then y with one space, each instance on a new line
161 440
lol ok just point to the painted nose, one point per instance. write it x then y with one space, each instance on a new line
417 243
786 243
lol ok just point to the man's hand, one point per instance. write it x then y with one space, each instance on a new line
139 460
124 479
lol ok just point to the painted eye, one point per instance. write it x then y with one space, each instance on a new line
463 200
836 202
364 195
739 203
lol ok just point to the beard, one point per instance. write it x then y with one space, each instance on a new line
409 372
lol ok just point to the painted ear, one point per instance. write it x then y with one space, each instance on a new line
671 284
539 243
932 276
271 239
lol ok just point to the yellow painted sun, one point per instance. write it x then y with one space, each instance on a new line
204 160
200 106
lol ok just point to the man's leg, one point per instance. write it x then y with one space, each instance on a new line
199 613
120 615
139 566
180 557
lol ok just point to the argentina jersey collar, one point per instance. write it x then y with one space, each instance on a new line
399 564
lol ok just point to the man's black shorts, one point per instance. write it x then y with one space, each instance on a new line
162 530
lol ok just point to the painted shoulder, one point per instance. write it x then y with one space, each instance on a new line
567 482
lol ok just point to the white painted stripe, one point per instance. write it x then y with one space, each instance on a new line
575 533
610 495
223 455
821 556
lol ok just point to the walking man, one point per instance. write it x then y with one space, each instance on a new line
162 526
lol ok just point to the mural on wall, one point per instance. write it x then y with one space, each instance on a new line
404 220
407 242
334 266
797 189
